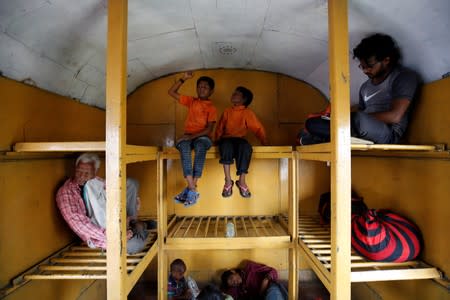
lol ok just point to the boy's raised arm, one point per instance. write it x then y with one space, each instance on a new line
173 91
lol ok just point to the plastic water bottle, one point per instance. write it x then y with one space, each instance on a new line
192 285
230 230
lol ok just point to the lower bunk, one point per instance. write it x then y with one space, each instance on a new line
227 232
78 261
315 241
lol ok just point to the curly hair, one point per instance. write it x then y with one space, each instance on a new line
378 45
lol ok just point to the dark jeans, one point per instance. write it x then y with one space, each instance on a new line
362 126
236 149
367 127
276 291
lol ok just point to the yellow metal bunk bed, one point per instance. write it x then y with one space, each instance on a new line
80 261
122 271
328 248
208 232
314 241
315 238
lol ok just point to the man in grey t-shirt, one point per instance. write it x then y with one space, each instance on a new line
384 99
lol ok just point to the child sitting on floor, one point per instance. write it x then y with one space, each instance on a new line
198 127
230 135
180 287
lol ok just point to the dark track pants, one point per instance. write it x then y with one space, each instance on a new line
236 149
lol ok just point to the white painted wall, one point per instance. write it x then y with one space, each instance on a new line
59 45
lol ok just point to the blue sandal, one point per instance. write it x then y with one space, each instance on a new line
181 197
191 198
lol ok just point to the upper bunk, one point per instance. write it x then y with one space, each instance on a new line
321 152
136 153
359 147
133 153
258 152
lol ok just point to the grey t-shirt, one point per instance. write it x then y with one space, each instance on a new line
400 83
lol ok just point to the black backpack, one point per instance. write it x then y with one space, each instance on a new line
358 206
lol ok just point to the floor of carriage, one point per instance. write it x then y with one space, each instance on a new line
309 289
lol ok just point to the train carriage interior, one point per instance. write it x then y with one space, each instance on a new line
93 76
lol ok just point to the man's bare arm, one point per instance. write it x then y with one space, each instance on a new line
395 114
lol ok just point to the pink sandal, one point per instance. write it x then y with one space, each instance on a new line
227 190
243 190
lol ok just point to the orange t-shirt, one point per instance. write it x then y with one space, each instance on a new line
201 112
235 122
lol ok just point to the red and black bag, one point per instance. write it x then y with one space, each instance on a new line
382 235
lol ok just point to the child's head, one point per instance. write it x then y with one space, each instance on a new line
231 278
177 269
205 87
210 292
242 96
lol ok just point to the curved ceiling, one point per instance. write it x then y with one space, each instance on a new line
59 45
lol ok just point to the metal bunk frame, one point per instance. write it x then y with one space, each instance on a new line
118 154
207 232
314 241
328 250
80 262
336 272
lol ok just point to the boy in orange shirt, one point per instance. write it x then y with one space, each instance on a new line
198 127
230 134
